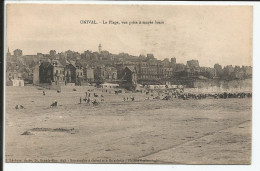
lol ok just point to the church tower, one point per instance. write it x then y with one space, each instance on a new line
8 54
99 48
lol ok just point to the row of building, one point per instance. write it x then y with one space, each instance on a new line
73 68
71 73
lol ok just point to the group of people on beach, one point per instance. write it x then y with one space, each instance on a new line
131 98
87 98
198 96
166 95
223 95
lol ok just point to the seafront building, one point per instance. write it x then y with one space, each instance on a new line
73 68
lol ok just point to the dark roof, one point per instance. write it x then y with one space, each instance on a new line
77 63
72 62
63 62
57 62
46 64
131 68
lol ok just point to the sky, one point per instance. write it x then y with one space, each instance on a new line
210 34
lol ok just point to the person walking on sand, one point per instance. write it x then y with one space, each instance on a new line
80 100
43 93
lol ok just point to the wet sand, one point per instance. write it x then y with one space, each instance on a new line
207 131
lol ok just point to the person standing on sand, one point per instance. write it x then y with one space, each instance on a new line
43 93
80 100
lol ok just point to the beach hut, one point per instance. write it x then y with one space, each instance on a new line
109 85
17 83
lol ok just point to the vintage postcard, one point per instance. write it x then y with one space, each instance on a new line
167 84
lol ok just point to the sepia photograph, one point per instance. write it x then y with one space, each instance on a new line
131 84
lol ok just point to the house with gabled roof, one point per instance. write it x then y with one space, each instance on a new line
129 78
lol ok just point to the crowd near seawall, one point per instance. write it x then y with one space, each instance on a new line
224 95
167 95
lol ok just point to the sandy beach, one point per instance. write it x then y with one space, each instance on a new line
206 131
